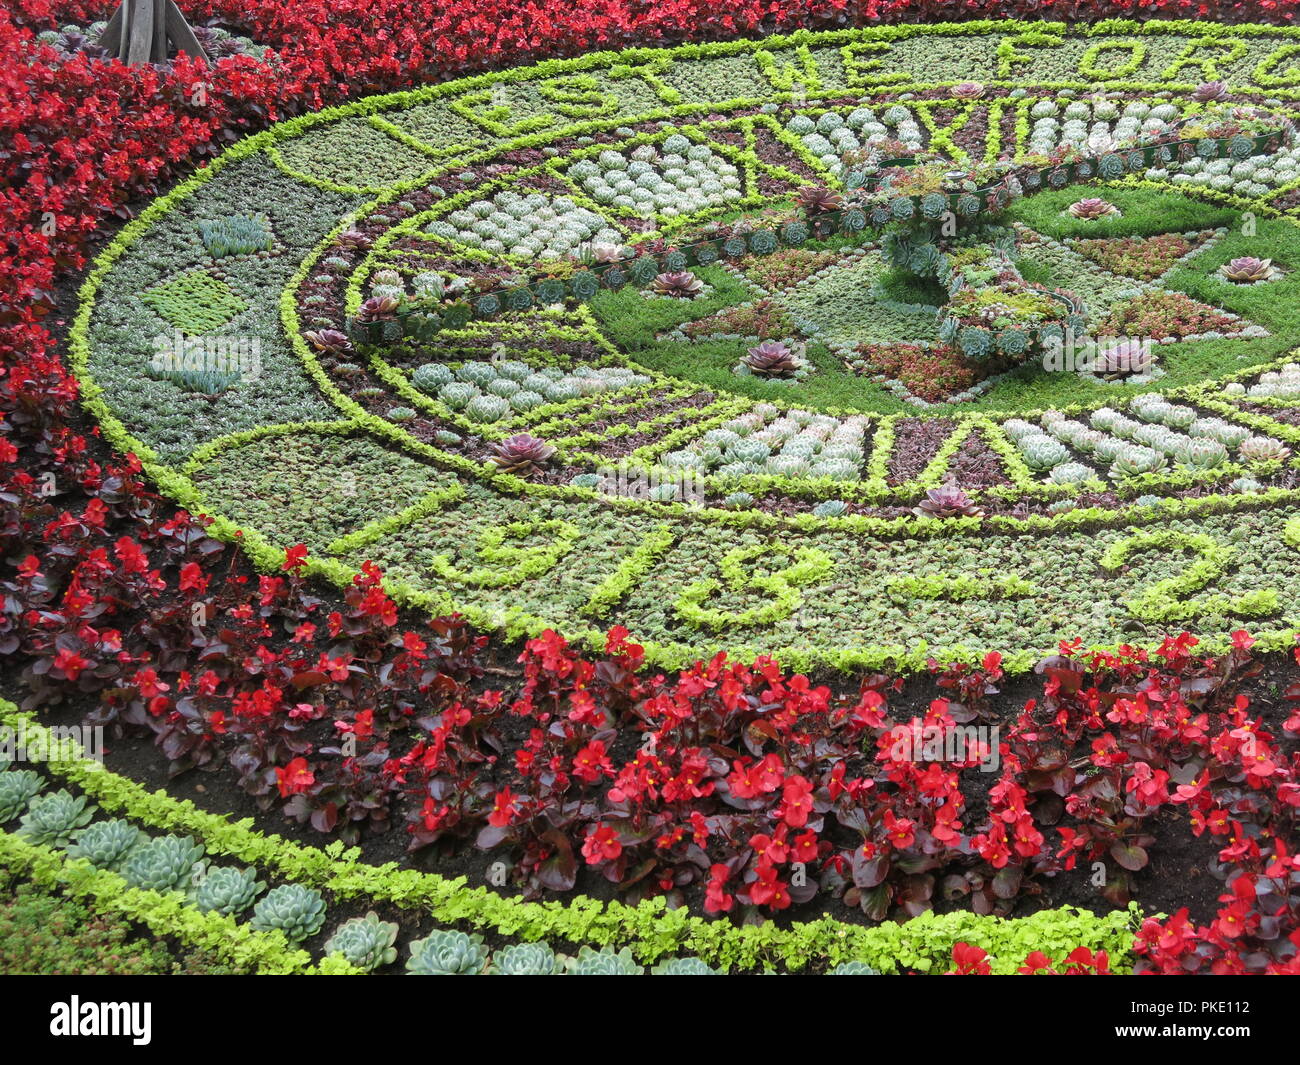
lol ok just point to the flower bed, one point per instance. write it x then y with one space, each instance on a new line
558 462
434 308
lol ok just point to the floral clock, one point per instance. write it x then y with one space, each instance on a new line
766 347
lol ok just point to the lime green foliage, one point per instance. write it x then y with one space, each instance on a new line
194 302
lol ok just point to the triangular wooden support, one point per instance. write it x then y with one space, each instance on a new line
144 31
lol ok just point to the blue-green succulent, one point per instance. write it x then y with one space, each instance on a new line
17 786
227 890
684 967
295 910
51 819
524 959
590 962
105 844
366 942
167 863
445 953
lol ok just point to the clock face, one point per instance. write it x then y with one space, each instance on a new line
849 348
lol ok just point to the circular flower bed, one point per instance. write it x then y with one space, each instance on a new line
416 278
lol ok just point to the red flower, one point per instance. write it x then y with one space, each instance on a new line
805 847
772 851
716 899
294 778
750 781
797 802
295 557
899 830
601 845
148 684
193 579
769 889
591 763
1035 963
969 961
432 816
503 809
70 663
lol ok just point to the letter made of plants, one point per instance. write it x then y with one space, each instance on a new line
850 347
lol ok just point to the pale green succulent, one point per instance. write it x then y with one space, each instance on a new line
1069 473
853 968
606 962
17 786
1105 419
503 387
295 910
1225 433
1042 452
105 844
457 394
684 967
1134 459
167 863
227 890
738 500
787 466
514 369
748 450
1178 417
831 508
1203 454
366 942
1246 485
1108 448
561 392
1088 439
526 400
837 469
432 376
51 819
1066 429
487 408
524 959
445 953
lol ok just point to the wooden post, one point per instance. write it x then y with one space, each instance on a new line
143 31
